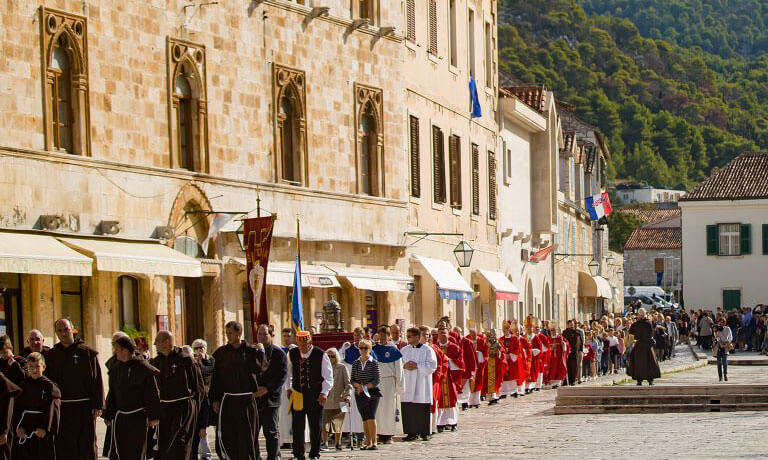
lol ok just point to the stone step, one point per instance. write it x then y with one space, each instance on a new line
658 408
659 399
656 390
740 362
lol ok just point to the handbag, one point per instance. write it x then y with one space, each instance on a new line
374 392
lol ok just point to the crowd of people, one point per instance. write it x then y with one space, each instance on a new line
370 390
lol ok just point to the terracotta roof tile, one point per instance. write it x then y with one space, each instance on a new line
744 178
655 238
651 215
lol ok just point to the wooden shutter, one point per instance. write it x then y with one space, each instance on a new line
713 240
415 158
438 165
765 239
475 180
433 27
746 239
491 185
454 157
411 18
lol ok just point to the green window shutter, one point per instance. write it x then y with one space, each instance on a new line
712 240
746 239
765 239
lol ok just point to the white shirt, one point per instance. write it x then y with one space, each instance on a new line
724 336
418 382
326 371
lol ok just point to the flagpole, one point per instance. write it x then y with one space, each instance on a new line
298 239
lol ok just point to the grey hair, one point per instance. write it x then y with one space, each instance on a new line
119 334
200 343
641 312
333 349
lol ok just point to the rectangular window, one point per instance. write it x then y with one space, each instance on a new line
730 236
571 177
432 27
438 165
415 158
507 163
765 239
475 180
491 185
454 44
454 157
745 243
72 302
731 299
471 41
410 28
566 229
488 57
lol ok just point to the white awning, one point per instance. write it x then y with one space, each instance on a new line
136 257
504 288
604 289
375 280
282 273
451 285
594 286
40 255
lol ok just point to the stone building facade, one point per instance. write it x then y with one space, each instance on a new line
148 117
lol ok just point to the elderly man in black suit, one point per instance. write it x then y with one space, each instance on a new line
274 371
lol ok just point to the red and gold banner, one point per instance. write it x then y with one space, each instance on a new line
257 233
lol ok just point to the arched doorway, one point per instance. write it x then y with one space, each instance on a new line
547 303
529 299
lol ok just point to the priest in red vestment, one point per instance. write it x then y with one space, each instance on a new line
495 358
447 412
516 374
525 344
469 361
545 350
430 338
535 375
476 383
558 369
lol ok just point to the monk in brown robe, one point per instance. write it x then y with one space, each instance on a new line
8 392
181 391
133 402
235 380
36 414
75 369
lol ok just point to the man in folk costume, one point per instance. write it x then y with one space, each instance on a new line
284 416
420 364
469 359
495 358
232 394
558 370
311 381
391 386
476 384
447 412
545 350
181 387
74 368
536 374
353 422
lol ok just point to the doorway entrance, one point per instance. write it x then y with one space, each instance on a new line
188 309
10 308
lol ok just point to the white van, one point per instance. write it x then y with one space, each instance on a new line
645 290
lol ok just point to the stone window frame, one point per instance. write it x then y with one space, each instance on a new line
184 56
366 96
293 81
53 24
359 8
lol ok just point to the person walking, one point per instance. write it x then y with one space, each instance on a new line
723 344
390 364
416 401
643 364
575 346
365 379
36 413
274 373
705 331
206 363
337 404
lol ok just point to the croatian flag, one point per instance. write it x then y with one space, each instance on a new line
599 206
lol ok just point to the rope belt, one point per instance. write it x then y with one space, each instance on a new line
224 454
114 427
75 400
168 401
26 436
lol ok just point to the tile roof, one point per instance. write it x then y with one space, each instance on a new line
651 215
744 178
655 238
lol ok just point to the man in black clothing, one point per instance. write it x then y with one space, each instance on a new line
311 380
576 345
232 394
274 371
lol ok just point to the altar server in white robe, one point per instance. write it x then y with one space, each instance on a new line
388 422
420 362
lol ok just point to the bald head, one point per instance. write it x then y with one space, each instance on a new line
164 342
35 340
64 331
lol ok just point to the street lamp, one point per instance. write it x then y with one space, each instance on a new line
620 271
594 267
610 259
463 252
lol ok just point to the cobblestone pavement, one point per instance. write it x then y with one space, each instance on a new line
528 429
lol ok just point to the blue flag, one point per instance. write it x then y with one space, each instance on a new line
476 110
297 310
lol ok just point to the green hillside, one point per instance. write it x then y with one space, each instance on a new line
670 112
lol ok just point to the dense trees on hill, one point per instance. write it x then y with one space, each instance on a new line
670 113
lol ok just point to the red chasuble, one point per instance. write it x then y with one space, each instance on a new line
528 353
481 367
438 376
469 358
558 358
515 369
545 342
536 359
496 363
449 390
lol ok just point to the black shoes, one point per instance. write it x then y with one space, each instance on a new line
440 428
410 437
726 377
453 428
492 402
426 437
464 406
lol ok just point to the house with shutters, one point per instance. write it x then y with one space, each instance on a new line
725 236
